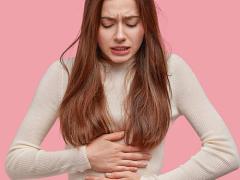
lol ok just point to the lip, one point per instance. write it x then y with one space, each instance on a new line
120 52
119 47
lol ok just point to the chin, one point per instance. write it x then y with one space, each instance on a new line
119 60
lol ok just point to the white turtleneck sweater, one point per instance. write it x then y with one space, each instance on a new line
217 156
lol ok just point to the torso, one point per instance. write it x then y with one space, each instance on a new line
115 93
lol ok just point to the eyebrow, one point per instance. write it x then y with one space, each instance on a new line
125 17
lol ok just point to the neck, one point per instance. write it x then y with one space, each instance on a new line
112 67
117 71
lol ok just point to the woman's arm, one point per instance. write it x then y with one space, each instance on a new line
218 154
25 158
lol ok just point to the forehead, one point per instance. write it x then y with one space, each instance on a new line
115 8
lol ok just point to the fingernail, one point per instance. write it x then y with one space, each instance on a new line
145 163
108 174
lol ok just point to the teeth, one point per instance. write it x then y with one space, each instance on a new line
120 49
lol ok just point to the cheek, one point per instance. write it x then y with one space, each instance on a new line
138 37
103 38
100 39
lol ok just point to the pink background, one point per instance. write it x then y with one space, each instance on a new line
205 33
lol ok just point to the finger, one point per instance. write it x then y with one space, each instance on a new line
118 175
135 156
114 136
89 178
126 148
94 178
125 168
129 163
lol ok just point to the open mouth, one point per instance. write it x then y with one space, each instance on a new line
121 48
120 51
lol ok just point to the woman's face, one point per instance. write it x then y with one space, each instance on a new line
121 31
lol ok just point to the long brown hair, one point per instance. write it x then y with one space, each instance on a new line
83 112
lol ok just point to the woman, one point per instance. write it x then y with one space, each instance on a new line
115 101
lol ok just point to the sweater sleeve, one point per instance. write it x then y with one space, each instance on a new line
218 154
25 158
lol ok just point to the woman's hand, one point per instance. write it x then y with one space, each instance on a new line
107 156
124 175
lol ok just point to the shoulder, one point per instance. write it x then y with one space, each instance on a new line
56 74
180 70
56 69
61 73
183 78
69 62
59 65
181 75
176 64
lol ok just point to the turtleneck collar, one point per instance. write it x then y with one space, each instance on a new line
116 68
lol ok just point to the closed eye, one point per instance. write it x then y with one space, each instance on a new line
107 26
132 22
129 21
129 25
132 25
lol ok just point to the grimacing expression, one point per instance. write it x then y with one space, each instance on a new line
121 32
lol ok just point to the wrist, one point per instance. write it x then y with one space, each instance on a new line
84 157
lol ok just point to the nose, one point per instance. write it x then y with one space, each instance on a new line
119 36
